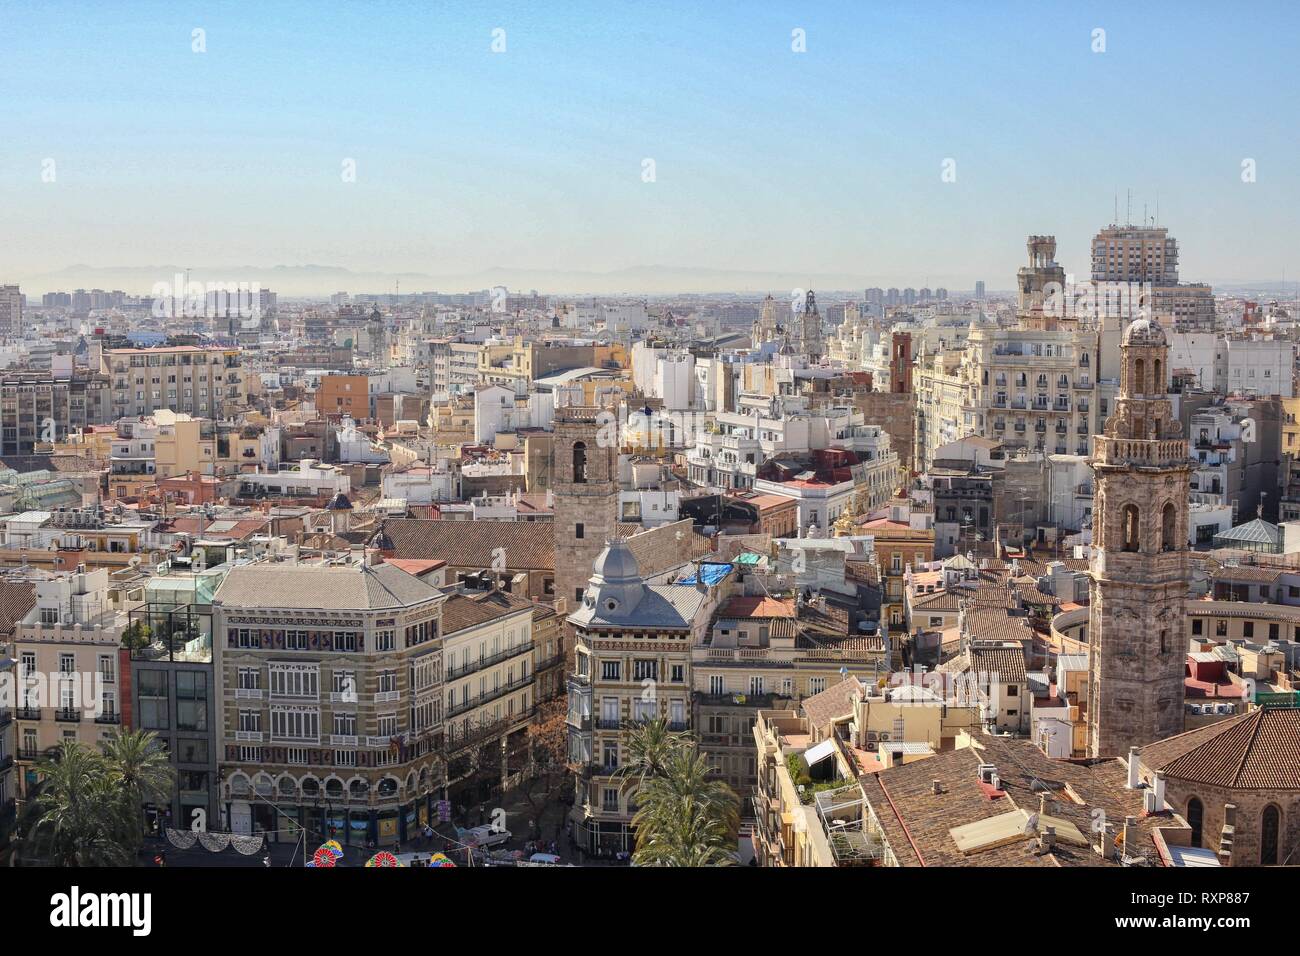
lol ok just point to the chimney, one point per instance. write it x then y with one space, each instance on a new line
1047 842
1129 835
995 781
936 786
1160 790
1133 778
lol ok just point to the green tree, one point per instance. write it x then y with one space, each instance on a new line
649 747
138 766
75 817
685 815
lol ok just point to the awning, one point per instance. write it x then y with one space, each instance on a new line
815 755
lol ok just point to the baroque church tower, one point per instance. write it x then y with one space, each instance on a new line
1136 627
584 479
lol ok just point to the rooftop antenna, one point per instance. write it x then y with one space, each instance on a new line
1128 208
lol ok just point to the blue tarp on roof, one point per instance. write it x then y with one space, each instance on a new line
712 573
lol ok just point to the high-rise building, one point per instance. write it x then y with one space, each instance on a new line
11 311
1138 607
1135 254
204 382
979 290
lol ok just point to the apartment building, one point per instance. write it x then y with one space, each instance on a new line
632 663
11 312
331 708
173 692
488 676
38 408
67 649
760 652
204 382
8 750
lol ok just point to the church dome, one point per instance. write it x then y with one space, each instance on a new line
1144 332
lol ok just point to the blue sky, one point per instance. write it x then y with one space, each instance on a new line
767 161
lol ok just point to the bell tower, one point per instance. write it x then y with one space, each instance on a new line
584 478
1137 634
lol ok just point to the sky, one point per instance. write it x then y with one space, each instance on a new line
126 153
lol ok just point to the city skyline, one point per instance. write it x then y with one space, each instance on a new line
228 150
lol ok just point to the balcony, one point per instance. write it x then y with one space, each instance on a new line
6 718
470 667
250 736
608 723
6 762
29 713
109 718
248 693
67 715
343 740
486 698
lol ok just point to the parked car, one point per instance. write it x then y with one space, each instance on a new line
484 836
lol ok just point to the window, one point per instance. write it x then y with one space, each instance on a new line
191 700
385 640
387 725
816 685
579 462
1195 819
579 531
1197 626
293 681
153 700
756 684
716 685
1130 521
610 670
1269 826
295 723
646 670
678 674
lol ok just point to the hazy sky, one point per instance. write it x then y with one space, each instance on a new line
826 162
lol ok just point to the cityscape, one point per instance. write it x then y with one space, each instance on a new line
649 516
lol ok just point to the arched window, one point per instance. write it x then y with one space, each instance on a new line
580 462
1270 823
1195 817
1158 385
1169 528
1139 386
1130 526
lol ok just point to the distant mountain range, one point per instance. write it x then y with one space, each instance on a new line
320 280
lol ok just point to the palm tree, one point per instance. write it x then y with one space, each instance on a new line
138 766
685 817
649 747
75 817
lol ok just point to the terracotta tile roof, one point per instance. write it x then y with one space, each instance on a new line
1007 662
16 599
834 701
743 607
461 611
917 821
1256 751
529 545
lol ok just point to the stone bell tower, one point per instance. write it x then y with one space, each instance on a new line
584 478
1137 634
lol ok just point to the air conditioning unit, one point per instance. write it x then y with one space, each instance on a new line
884 737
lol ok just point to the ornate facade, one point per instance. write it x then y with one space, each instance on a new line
1138 607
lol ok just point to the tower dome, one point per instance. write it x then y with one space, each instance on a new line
615 587
1144 332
